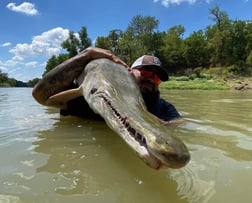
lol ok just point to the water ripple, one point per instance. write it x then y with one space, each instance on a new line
190 186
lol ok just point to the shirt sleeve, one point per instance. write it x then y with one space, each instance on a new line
166 111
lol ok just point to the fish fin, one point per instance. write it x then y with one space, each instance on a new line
60 99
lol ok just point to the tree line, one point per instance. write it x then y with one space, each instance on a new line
5 81
226 43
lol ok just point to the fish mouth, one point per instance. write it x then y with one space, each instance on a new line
139 142
126 124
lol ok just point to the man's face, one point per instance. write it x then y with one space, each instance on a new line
147 79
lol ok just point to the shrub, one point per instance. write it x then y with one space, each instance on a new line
182 78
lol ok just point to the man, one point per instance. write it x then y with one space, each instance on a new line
148 73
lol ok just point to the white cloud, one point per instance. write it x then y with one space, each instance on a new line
54 36
46 44
15 60
26 8
32 64
166 3
6 44
41 47
3 69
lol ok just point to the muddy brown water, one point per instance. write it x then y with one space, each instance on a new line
48 158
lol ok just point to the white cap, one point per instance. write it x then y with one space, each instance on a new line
150 61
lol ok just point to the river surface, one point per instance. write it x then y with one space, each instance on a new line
48 158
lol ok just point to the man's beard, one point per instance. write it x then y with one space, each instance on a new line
151 98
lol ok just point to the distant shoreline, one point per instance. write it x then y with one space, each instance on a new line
184 83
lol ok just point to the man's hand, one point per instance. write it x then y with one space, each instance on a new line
96 53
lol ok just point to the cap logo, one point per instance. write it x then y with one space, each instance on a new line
156 61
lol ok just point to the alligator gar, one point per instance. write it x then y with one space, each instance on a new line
111 91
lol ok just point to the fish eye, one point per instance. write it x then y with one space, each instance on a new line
93 90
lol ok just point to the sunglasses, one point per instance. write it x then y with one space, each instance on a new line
150 74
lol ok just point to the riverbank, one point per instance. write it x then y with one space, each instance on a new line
203 83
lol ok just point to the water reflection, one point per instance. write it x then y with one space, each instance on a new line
191 186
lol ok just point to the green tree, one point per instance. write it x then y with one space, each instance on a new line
103 42
51 63
237 43
111 41
71 44
248 47
75 43
219 41
126 48
84 40
173 49
224 43
3 77
5 81
114 37
220 18
139 37
54 61
195 50
33 82
249 60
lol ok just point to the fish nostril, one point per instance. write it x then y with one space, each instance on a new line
174 157
186 158
93 90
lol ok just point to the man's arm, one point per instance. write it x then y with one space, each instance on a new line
170 115
176 121
61 77
96 53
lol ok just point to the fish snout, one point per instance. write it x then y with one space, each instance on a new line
173 153
175 160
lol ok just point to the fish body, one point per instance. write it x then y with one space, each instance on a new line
112 92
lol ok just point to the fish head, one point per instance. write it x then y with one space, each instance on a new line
112 92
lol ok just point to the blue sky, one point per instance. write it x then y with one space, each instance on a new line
32 31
